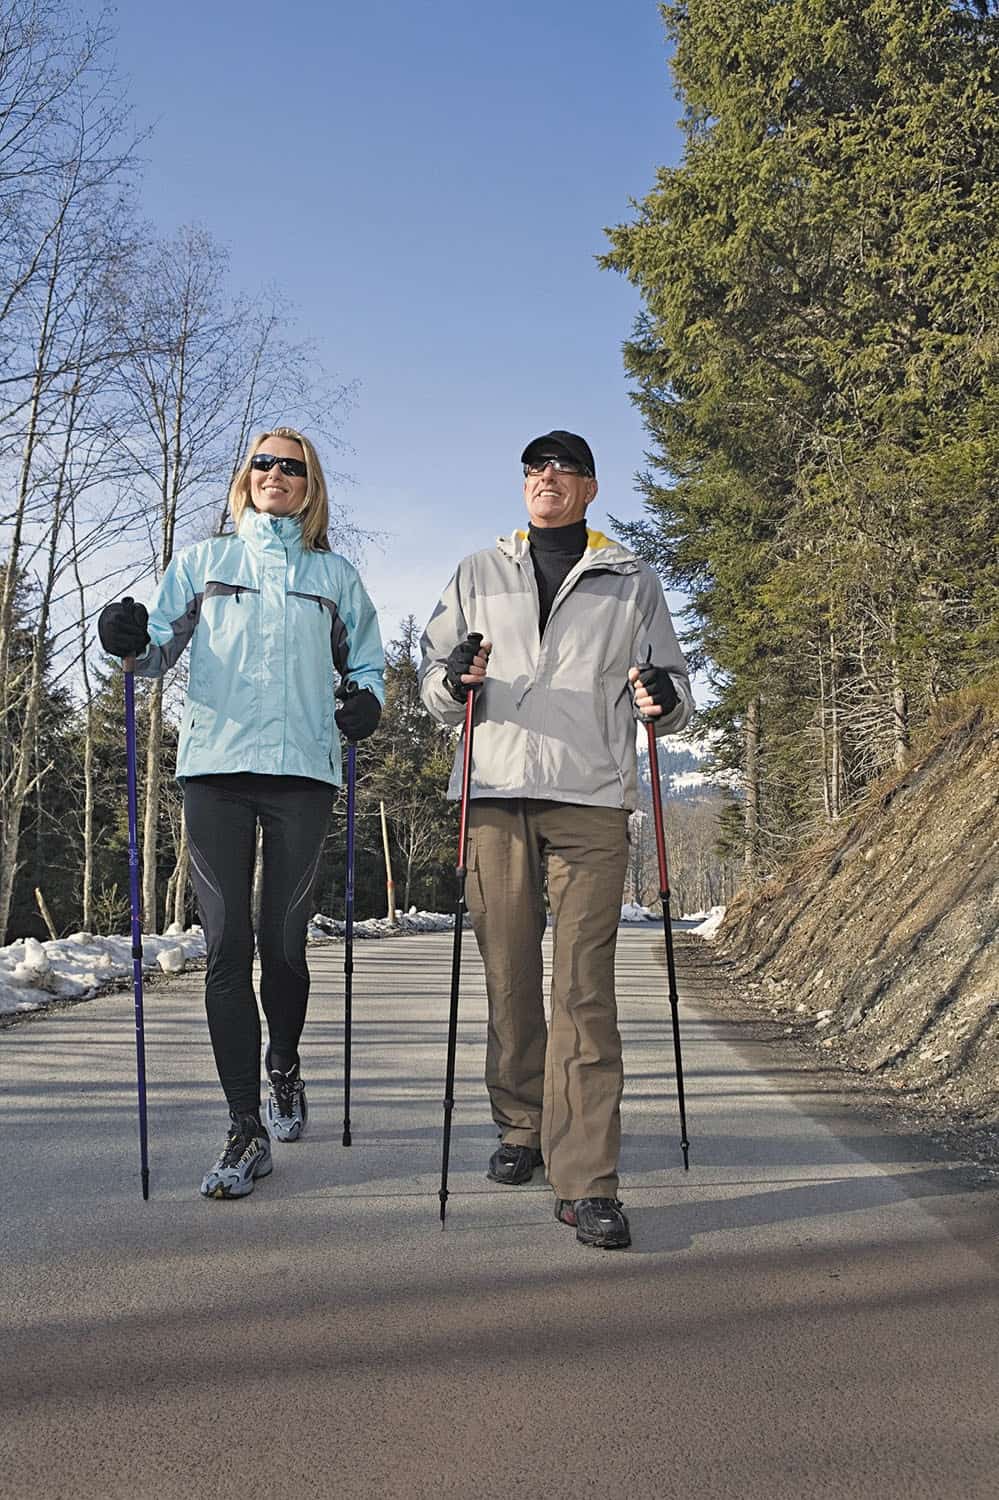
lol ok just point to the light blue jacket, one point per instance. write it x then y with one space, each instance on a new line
269 623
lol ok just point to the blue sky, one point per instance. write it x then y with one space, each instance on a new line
429 185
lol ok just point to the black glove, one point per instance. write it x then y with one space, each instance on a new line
360 713
459 662
122 628
659 685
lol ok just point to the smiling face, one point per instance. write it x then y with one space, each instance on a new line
272 492
557 499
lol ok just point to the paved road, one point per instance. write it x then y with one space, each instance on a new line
811 1311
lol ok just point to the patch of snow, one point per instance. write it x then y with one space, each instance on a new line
699 748
32 974
322 927
682 780
632 912
171 960
709 927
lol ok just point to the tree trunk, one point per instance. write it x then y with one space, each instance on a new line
86 894
12 563
899 705
180 886
87 874
752 784
23 779
824 740
150 811
389 882
835 735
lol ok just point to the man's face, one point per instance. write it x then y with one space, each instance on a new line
555 497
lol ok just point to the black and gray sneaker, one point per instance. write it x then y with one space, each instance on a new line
597 1221
287 1106
513 1165
245 1156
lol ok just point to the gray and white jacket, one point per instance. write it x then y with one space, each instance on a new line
555 717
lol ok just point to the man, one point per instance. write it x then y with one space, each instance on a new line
577 643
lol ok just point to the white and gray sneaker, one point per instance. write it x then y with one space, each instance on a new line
245 1156
287 1106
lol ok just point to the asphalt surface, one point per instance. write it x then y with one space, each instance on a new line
810 1311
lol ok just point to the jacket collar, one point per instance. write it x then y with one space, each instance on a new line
601 551
267 533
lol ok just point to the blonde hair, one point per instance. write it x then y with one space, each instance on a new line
315 508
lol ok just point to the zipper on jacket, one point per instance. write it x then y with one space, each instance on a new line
562 593
527 568
585 565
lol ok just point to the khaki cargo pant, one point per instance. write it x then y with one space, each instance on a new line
559 1088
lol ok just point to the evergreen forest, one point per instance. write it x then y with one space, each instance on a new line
815 363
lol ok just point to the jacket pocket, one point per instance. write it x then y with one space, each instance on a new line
619 726
215 589
310 676
225 652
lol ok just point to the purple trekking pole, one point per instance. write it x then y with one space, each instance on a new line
128 663
348 938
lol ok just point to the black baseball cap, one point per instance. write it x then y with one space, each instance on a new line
555 444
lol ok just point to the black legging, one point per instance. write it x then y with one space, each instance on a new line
222 813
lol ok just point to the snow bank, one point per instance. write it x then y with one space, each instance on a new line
709 927
377 927
33 974
632 912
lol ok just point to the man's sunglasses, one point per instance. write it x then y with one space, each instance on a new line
560 465
292 468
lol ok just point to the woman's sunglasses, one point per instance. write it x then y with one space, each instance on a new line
292 468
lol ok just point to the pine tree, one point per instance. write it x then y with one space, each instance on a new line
816 365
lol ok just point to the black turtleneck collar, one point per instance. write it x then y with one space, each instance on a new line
570 539
555 550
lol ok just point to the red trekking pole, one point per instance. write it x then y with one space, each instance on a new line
459 918
657 811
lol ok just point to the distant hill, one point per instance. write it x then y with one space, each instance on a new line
682 767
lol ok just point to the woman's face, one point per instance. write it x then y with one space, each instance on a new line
272 491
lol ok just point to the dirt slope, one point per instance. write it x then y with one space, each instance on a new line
881 946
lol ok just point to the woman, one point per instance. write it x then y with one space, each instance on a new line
271 614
